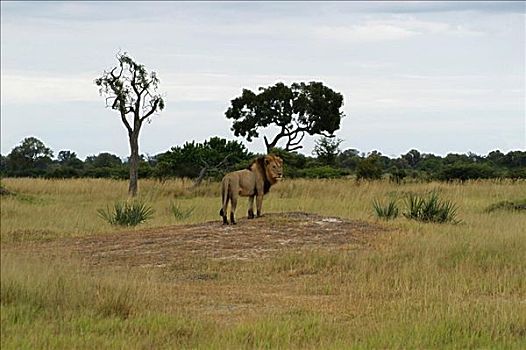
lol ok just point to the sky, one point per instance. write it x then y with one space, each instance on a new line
439 77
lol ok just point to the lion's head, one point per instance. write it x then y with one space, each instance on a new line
273 168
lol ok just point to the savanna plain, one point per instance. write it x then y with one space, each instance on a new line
71 280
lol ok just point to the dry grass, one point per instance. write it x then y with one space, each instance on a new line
415 286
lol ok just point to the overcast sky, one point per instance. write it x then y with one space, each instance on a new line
440 77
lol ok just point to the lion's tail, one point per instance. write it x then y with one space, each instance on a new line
225 184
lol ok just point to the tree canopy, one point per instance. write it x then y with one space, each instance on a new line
300 109
29 158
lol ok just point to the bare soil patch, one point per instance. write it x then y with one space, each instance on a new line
249 239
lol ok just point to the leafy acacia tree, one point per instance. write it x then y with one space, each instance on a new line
297 110
132 91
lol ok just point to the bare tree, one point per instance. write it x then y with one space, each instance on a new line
129 89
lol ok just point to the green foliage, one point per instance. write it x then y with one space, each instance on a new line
430 209
462 172
129 86
179 212
129 213
30 158
397 175
413 158
327 150
368 169
322 172
215 156
387 211
103 160
349 159
299 109
516 205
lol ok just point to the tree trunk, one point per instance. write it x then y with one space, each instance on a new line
134 164
270 145
201 176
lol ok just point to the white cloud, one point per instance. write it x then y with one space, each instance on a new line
37 88
368 32
391 29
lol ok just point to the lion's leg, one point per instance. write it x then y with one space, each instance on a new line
259 204
223 215
225 197
251 207
233 205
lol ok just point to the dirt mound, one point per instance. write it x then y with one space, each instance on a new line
247 240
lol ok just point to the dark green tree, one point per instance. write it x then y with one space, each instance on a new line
327 150
413 158
29 158
198 160
349 158
69 159
103 160
132 91
369 169
297 110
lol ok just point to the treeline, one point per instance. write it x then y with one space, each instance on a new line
216 156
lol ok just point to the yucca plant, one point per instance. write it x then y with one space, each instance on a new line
180 213
127 213
387 211
430 209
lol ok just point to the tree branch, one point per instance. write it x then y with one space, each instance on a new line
322 133
294 148
292 140
126 124
152 110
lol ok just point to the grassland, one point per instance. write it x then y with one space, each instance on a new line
413 286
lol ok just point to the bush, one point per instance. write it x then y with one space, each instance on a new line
388 211
179 213
322 172
368 169
465 172
430 209
127 213
508 205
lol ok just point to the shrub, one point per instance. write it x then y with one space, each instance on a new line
127 213
430 209
508 205
368 169
4 191
463 172
388 211
179 213
322 172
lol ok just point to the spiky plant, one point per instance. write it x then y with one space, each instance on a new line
129 213
387 211
179 212
430 209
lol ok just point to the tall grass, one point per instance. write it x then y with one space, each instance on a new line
415 286
47 209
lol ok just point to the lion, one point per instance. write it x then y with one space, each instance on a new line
254 181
